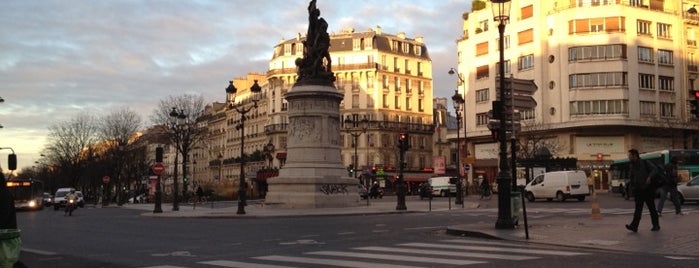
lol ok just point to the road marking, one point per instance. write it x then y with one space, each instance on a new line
164 266
393 257
236 264
450 253
40 252
331 262
497 249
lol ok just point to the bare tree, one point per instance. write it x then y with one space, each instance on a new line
70 146
536 136
118 131
178 115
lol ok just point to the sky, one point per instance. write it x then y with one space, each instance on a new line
60 58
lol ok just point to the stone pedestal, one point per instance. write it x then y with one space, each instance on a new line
313 176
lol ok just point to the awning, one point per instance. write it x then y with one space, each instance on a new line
281 155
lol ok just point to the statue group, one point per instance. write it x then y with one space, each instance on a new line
315 66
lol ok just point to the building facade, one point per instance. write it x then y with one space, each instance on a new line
611 75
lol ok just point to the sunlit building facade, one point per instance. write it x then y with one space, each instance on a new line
612 75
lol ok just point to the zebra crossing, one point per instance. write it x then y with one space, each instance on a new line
449 252
564 211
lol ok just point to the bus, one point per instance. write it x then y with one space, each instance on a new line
28 194
687 166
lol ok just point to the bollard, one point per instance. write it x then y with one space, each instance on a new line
595 207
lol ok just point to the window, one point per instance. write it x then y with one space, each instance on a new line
406 48
505 42
507 67
667 109
418 50
664 30
385 81
397 102
525 62
355 100
604 52
287 49
588 80
646 81
597 25
599 107
356 44
482 95
299 49
525 37
643 27
647 108
645 54
665 57
666 83
482 26
420 107
482 49
482 119
407 104
385 101
368 44
482 72
396 82
369 101
370 81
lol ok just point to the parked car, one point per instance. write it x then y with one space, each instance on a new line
441 186
81 199
689 191
48 200
560 185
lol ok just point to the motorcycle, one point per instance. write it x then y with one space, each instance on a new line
70 206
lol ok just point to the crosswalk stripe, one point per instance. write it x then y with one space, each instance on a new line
450 253
331 262
235 264
394 257
497 249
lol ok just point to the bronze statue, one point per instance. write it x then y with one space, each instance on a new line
315 66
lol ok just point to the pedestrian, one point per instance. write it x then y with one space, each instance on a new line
200 193
641 172
591 182
670 186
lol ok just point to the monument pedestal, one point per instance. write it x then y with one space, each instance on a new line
313 176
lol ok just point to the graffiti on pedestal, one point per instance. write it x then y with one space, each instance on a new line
329 189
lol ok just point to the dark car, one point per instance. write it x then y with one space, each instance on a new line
48 200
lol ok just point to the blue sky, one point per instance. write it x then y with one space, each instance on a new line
59 58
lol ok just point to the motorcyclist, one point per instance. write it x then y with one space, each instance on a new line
71 197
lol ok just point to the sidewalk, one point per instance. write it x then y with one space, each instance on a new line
678 236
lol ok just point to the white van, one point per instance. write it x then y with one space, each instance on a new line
441 186
560 185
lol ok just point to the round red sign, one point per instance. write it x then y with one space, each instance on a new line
158 168
105 179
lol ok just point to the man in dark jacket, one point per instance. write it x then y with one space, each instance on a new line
8 217
641 173
670 186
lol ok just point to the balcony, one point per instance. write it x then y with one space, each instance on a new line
692 68
276 128
692 43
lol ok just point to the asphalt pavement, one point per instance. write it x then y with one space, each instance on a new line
602 229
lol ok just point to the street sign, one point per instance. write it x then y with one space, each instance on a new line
158 168
508 115
520 91
105 179
495 124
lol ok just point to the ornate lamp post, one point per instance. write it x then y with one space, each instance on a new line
458 104
255 90
354 128
178 118
501 13
269 149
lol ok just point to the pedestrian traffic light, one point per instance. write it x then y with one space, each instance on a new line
184 179
350 169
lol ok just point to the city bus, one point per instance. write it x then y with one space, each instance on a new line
28 194
687 165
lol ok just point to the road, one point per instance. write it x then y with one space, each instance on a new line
120 237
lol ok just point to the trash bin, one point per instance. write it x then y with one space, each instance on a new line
10 245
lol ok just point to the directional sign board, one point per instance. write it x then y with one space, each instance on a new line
521 92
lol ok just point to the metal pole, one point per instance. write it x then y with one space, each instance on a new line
513 138
503 179
459 198
241 182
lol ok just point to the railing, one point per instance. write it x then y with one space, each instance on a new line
276 128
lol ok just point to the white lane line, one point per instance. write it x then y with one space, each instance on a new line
450 253
40 252
331 262
393 257
236 264
164 266
496 249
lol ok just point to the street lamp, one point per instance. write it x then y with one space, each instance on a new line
354 128
501 13
458 105
178 118
255 90
269 148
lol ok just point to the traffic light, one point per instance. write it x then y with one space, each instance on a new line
403 141
350 169
12 161
695 103
184 179
159 154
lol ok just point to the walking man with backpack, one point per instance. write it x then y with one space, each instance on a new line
670 186
641 171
